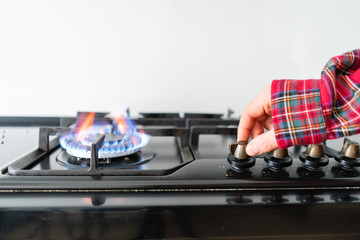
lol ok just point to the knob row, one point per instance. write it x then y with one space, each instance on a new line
313 158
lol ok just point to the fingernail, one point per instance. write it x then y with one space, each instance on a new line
252 150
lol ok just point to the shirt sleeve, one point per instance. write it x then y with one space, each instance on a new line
314 110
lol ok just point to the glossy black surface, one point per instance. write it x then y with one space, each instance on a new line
245 215
203 199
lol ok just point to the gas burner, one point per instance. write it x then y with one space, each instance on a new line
123 146
121 137
128 161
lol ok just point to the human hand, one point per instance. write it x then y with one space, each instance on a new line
255 117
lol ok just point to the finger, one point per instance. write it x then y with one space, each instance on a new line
268 124
257 109
257 129
262 144
245 126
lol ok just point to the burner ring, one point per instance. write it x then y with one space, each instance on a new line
113 146
124 162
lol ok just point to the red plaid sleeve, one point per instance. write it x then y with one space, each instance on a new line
311 111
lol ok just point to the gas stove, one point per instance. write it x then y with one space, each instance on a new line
164 175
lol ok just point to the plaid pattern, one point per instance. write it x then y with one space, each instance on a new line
311 111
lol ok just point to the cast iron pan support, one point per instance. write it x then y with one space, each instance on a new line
45 132
95 147
196 131
21 166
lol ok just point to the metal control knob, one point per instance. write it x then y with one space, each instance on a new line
314 157
238 159
278 159
315 150
280 153
239 150
350 148
349 156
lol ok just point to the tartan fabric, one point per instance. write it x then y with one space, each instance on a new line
297 113
340 95
311 111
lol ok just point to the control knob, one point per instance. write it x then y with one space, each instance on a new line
314 157
349 156
238 159
278 159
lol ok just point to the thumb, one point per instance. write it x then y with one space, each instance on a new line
262 144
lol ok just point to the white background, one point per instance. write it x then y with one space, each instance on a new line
58 57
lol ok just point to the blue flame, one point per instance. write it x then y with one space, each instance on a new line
124 139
